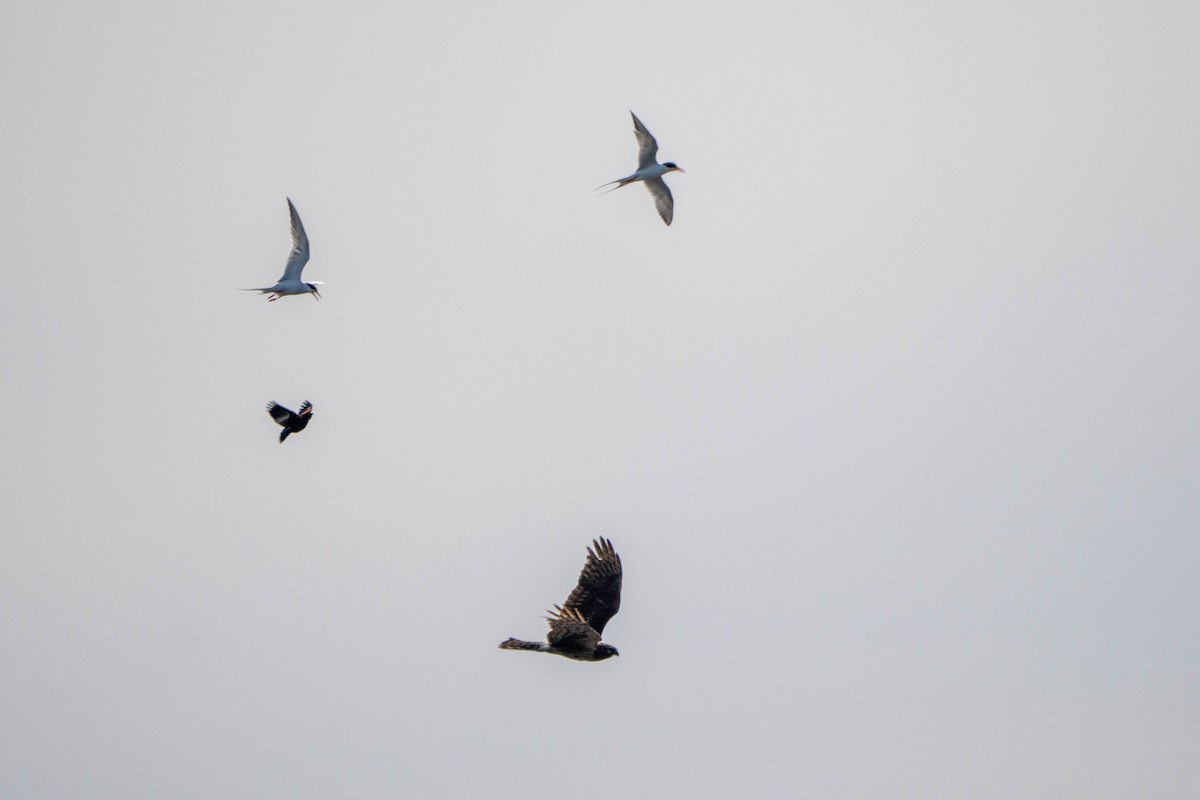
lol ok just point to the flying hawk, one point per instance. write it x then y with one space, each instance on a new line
291 421
576 625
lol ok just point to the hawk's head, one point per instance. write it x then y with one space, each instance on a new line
604 651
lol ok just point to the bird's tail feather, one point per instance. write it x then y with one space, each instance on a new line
517 644
261 291
619 183
283 434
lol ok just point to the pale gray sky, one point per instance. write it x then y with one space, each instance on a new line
894 428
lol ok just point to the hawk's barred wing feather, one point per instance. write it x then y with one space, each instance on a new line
570 631
597 597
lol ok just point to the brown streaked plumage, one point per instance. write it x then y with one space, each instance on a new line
575 627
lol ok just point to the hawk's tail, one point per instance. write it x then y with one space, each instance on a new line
517 644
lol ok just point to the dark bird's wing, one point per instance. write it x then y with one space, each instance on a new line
299 255
305 408
662 198
647 147
280 414
570 631
598 596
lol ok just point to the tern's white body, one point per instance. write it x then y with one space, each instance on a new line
650 172
290 283
289 287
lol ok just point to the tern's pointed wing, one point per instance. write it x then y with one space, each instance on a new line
597 597
647 147
280 414
662 198
299 255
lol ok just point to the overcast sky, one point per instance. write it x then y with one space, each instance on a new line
895 428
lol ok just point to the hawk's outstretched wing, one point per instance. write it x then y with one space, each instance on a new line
280 414
570 631
305 408
598 596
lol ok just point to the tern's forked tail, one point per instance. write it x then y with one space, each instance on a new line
619 183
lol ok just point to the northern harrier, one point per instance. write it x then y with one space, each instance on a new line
291 421
290 282
650 172
576 625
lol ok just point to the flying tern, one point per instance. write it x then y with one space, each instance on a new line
290 283
650 172
290 420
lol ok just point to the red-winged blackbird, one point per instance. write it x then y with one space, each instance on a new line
291 421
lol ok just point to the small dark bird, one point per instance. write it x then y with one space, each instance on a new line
576 625
291 421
